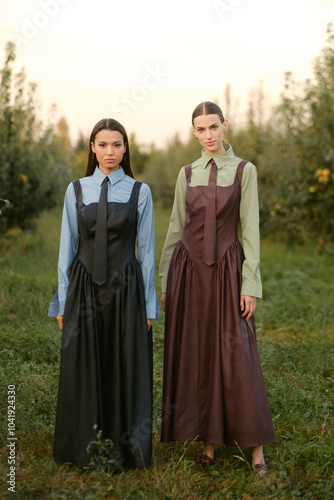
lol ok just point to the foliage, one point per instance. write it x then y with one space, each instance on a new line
33 160
299 171
102 452
3 203
80 156
163 167
292 146
139 158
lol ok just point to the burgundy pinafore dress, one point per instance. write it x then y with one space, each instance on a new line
213 383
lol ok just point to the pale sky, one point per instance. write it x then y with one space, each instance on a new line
149 63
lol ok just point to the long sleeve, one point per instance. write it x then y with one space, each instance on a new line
227 164
146 249
67 250
249 218
175 228
119 191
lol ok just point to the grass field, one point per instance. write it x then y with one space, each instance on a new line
295 325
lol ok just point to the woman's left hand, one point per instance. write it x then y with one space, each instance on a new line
60 319
247 306
149 324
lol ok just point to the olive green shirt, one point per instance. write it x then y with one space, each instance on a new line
227 164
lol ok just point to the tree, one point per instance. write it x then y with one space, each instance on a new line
80 156
303 199
139 158
63 134
34 168
164 166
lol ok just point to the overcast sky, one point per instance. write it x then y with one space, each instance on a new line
149 63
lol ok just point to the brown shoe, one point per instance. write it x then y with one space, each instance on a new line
261 469
204 461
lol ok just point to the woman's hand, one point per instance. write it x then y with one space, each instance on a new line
60 318
149 324
247 306
163 301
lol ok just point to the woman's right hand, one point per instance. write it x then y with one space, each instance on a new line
60 318
163 301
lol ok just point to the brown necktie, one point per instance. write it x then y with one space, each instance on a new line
209 243
100 247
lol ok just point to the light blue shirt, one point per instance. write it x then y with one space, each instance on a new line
119 190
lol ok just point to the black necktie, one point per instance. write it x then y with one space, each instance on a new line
100 247
209 243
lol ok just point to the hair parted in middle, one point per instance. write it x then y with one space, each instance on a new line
207 108
113 125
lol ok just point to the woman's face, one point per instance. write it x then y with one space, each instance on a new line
109 148
209 131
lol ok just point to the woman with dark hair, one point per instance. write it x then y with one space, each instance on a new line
213 385
105 304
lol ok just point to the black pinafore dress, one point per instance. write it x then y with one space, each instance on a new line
106 357
213 384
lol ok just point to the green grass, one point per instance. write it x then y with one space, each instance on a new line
295 339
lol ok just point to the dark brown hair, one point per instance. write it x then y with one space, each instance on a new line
113 125
207 108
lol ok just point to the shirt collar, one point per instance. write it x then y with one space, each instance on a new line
221 160
114 176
